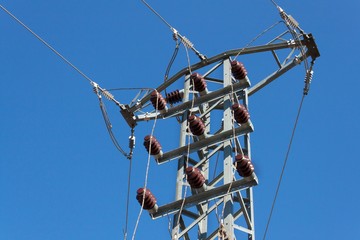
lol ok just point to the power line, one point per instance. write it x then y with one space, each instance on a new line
157 14
187 43
46 44
102 106
257 37
109 128
284 166
147 169
274 3
128 200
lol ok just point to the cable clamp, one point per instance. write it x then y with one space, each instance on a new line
96 89
175 34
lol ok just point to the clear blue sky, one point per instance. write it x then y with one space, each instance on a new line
60 175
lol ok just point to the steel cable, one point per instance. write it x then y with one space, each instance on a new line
47 44
258 36
284 166
147 169
109 128
128 200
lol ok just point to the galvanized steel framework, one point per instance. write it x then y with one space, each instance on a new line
226 191
223 191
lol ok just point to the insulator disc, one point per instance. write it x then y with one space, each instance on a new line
148 198
174 97
243 165
198 81
196 125
155 145
241 114
238 70
194 177
157 100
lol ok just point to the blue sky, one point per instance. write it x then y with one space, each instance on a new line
60 175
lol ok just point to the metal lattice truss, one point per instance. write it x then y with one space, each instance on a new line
224 191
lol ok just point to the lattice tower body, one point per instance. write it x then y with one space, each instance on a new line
225 192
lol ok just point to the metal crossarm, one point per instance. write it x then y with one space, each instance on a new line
206 196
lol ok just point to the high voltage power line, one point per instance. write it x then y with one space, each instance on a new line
235 90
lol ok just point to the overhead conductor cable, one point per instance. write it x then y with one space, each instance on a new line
108 124
187 43
146 173
308 77
98 90
46 44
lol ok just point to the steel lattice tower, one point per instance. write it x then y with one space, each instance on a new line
226 191
201 144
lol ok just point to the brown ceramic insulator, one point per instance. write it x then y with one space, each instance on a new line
157 100
243 165
174 97
238 70
155 145
241 114
148 198
194 177
196 125
198 81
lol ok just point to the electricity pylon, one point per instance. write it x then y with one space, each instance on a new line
214 153
226 195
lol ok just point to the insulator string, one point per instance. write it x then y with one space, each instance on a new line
292 25
308 78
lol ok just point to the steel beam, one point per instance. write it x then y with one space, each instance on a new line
206 196
221 137
296 61
201 217
181 162
210 97
217 58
